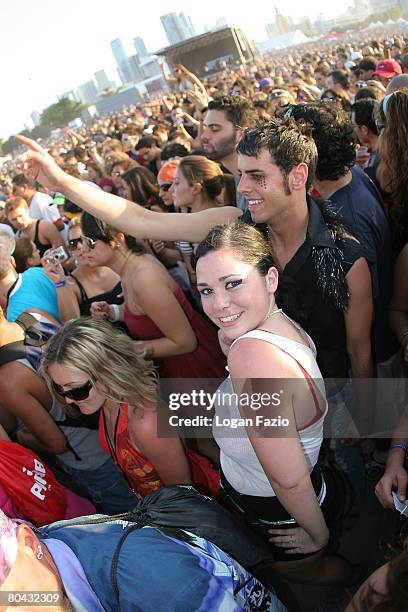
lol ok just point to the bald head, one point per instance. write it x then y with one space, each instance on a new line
398 82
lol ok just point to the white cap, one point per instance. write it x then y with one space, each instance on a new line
356 55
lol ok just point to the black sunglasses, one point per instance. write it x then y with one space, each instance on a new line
165 186
90 243
73 243
77 394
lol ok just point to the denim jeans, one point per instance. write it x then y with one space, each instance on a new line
106 487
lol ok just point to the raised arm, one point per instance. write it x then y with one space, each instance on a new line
118 212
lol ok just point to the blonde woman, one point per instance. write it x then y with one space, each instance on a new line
95 367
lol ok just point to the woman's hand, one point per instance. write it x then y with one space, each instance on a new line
395 476
146 347
52 269
41 167
101 311
297 541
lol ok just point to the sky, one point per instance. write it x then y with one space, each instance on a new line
52 46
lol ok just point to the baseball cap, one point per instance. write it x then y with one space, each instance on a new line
356 55
59 199
167 172
265 83
387 68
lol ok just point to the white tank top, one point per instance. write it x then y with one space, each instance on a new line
239 462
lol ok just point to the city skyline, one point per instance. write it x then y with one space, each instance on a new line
74 43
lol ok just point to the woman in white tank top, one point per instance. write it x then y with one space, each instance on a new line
268 453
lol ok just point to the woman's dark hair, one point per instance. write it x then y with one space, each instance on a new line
143 185
250 246
99 230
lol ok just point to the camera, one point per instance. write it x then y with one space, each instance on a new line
58 255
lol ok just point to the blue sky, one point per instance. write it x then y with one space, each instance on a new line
49 47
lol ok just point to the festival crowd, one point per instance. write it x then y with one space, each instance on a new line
245 235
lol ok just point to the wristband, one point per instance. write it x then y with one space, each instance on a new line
403 335
60 284
116 313
400 445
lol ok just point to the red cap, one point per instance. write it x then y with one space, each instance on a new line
167 172
387 68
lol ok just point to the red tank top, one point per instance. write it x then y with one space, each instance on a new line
206 361
140 474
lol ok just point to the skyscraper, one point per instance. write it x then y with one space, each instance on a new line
102 81
140 47
87 92
137 72
122 61
178 27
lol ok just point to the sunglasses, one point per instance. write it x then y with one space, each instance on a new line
74 242
116 173
77 394
165 186
90 243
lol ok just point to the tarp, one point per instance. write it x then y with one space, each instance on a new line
289 39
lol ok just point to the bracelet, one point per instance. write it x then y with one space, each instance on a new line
403 335
400 445
116 313
60 284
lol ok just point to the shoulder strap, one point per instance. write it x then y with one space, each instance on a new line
84 296
306 375
25 321
36 232
16 350
12 352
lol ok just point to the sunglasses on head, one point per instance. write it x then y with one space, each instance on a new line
77 394
74 242
165 186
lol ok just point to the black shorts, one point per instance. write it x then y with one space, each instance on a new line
264 513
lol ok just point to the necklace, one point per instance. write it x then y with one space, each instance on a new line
275 311
124 266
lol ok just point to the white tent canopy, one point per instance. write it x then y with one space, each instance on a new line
289 39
